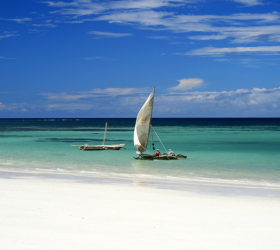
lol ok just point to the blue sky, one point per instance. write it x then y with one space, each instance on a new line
85 58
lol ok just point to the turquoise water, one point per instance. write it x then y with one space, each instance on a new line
218 150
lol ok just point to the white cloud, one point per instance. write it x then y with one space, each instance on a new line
95 57
7 34
36 31
249 2
121 91
2 57
158 37
88 7
46 24
239 103
235 51
61 4
208 37
252 34
21 20
256 102
146 18
66 96
68 106
96 93
246 61
252 102
109 34
239 27
15 107
18 20
2 106
186 84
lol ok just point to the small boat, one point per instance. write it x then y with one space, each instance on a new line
143 129
100 147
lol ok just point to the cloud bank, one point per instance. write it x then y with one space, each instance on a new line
118 102
239 103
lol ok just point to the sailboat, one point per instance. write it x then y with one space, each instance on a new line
143 129
100 147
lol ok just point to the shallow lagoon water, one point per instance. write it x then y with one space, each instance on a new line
219 150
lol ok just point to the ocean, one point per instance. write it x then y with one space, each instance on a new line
219 150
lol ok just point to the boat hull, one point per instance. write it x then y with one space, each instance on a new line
144 157
166 157
101 147
181 156
160 157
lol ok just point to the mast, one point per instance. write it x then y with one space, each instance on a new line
105 134
151 129
152 139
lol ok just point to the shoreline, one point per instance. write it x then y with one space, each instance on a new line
65 212
197 186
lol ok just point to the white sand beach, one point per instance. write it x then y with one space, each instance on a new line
64 214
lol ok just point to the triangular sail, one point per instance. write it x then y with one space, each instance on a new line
142 125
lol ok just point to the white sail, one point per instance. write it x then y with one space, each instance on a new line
142 125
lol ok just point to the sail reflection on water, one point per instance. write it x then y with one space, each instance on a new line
142 173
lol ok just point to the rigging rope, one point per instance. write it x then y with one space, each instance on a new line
160 140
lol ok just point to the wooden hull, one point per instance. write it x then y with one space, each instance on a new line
101 147
87 147
144 157
160 157
166 157
181 156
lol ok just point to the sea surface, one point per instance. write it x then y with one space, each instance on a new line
219 150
